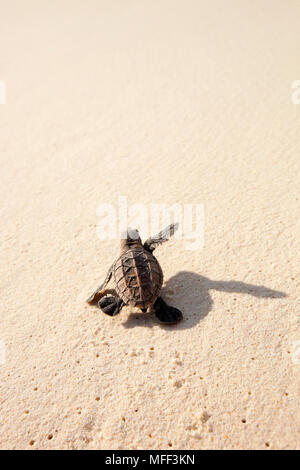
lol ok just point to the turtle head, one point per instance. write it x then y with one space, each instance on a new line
130 239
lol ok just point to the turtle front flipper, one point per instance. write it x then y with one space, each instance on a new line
166 314
160 238
103 285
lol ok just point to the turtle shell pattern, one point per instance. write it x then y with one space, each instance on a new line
138 278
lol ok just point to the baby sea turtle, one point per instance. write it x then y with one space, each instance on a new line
138 278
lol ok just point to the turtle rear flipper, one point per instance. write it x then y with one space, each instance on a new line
166 314
153 242
103 285
111 305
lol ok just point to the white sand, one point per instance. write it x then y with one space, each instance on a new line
168 101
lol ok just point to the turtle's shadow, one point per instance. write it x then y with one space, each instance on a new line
188 288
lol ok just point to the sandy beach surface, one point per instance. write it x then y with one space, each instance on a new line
167 101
